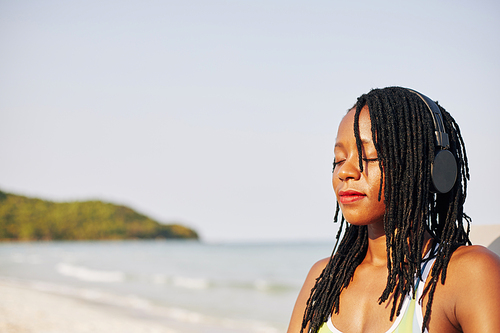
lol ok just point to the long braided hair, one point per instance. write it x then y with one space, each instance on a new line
403 135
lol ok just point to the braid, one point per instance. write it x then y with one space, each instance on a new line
403 136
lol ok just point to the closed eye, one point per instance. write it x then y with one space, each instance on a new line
335 163
368 160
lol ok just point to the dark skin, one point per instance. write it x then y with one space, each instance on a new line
469 301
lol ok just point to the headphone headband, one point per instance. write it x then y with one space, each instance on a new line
442 140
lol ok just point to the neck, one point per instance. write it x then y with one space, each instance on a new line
376 253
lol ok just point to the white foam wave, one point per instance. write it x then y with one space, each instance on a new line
190 283
261 285
159 279
86 274
265 286
181 281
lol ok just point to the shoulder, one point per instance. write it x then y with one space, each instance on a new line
475 261
474 266
474 250
300 304
473 281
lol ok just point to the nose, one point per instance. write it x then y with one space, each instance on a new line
349 170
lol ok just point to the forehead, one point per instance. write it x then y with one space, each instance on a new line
346 126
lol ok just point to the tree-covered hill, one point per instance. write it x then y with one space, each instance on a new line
23 218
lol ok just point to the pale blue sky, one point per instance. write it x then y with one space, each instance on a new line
222 114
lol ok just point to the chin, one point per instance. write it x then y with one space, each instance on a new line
360 221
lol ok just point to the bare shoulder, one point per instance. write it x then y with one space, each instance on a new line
473 267
473 281
475 261
300 305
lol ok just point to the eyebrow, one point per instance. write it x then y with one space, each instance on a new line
364 141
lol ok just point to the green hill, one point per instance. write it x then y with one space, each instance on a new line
23 218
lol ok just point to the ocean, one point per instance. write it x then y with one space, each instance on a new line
188 285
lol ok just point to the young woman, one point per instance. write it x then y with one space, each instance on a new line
404 262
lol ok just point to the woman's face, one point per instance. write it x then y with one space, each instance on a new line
356 191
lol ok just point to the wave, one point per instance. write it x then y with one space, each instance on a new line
181 281
190 283
197 283
87 274
176 281
272 286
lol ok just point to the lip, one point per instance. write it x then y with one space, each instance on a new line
350 196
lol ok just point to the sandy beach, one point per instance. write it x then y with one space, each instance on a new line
25 310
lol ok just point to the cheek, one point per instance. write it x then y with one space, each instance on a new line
376 180
377 208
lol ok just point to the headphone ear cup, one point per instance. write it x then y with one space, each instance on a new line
444 171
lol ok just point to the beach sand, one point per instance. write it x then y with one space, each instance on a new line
27 311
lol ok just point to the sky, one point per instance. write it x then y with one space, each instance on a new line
221 115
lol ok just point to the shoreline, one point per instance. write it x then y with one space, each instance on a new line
26 309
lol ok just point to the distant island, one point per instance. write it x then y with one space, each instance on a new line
23 218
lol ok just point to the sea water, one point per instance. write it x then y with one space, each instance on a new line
192 286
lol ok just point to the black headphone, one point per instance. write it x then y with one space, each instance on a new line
444 166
